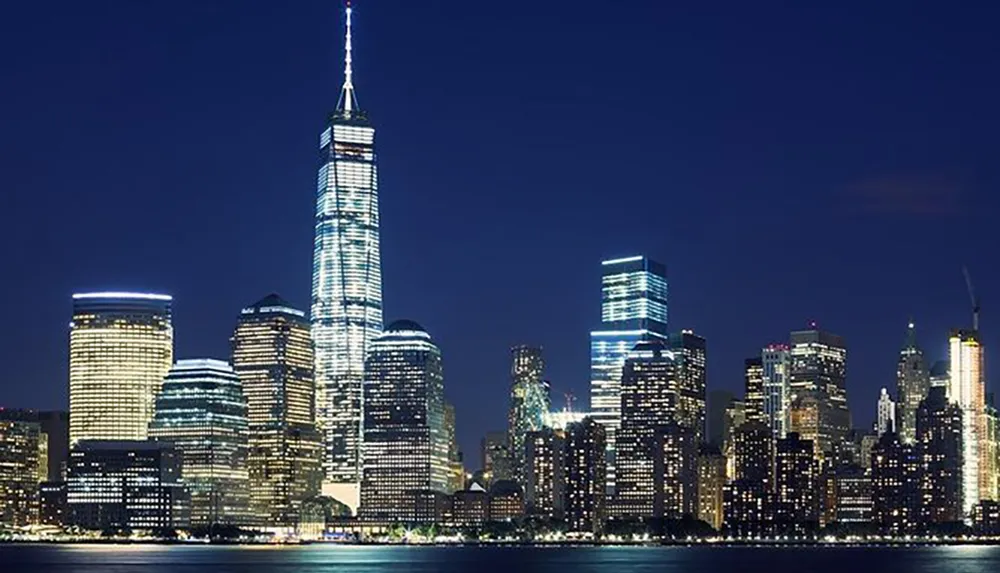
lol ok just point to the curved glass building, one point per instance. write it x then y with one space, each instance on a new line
202 411
121 345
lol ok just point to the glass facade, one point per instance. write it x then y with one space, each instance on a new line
120 348
753 383
776 359
406 445
273 357
912 384
20 459
818 373
347 278
967 389
529 402
202 412
633 308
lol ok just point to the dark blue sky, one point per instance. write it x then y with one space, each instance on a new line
788 161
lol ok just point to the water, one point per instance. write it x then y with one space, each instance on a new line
358 559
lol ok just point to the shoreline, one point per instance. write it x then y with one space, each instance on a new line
582 544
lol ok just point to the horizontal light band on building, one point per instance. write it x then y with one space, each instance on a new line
618 332
622 260
275 309
136 295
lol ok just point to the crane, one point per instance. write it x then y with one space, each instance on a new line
973 299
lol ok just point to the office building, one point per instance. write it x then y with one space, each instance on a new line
529 402
854 496
506 501
545 473
966 388
885 420
776 359
202 412
753 383
895 491
496 457
347 281
939 373
818 369
273 357
633 308
735 417
711 486
718 402
456 469
126 485
912 384
405 446
805 418
585 476
748 506
690 351
20 459
52 508
649 406
120 348
938 443
796 482
992 446
986 518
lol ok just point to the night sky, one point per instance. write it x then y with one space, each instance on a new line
788 162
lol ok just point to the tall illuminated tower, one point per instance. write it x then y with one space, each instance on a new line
347 281
529 402
912 384
967 389
120 348
776 359
633 308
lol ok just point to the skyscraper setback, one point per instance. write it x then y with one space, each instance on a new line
347 279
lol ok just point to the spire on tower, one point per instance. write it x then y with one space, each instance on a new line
348 101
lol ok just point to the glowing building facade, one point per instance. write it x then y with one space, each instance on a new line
586 476
967 389
202 412
120 348
819 372
633 308
753 383
912 384
529 402
347 280
20 459
938 445
273 357
885 420
690 350
776 360
711 486
405 447
545 472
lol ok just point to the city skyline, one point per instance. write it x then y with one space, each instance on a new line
205 303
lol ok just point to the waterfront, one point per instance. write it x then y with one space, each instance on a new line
358 559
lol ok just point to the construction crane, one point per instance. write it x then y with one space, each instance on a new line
973 299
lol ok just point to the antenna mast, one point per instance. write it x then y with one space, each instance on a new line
972 298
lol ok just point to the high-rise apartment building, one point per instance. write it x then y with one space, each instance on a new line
202 412
749 497
776 359
753 383
854 496
20 459
529 402
885 418
126 485
967 389
120 348
585 476
796 482
347 280
272 353
912 383
819 369
405 451
690 351
633 308
939 450
545 473
895 486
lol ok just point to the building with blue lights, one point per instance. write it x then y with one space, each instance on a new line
202 412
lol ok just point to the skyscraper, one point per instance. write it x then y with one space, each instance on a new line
545 472
796 481
456 470
885 414
819 369
633 308
585 476
939 450
895 491
529 402
649 399
690 351
347 280
121 346
273 357
496 456
718 402
753 382
967 389
776 359
20 458
749 497
912 383
405 449
202 412
711 486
